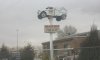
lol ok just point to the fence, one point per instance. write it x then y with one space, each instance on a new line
83 53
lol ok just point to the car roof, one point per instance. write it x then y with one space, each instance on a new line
49 8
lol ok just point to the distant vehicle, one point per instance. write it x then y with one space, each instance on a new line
59 14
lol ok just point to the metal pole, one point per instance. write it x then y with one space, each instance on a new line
17 39
51 40
17 52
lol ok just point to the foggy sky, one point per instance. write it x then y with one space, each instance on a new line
22 15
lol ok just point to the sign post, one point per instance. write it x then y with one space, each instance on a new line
51 40
50 13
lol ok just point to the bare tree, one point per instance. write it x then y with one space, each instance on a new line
60 34
90 48
66 31
69 30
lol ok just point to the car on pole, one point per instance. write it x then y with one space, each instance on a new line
59 14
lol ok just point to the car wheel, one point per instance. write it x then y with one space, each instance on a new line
39 17
43 14
58 18
63 17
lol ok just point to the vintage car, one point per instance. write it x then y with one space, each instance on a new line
59 14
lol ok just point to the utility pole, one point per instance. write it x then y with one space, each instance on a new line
17 38
17 52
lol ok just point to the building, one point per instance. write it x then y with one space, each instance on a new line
68 47
64 48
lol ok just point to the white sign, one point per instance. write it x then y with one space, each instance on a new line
51 28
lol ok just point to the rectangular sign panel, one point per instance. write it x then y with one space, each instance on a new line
51 28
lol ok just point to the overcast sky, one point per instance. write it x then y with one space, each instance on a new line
22 15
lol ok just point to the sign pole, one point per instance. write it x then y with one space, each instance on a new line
51 39
50 13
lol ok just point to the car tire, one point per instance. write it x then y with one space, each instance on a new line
58 18
63 16
39 17
43 14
